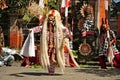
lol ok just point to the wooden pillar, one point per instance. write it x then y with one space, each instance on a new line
102 11
118 23
73 13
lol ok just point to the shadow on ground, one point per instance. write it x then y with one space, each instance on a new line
100 72
34 74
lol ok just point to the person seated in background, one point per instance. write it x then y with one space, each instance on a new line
8 56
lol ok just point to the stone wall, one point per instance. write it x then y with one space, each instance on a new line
113 23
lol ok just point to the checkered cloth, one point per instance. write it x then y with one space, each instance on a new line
88 26
104 45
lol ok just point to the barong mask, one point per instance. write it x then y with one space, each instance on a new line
51 22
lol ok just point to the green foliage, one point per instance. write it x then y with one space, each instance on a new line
35 66
17 3
0 15
84 65
75 52
115 8
27 17
53 4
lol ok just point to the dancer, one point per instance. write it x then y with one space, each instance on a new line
52 38
69 57
52 42
107 46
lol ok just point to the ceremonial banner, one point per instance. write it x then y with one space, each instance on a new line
102 11
65 4
41 3
106 5
28 48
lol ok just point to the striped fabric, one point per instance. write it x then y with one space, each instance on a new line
88 26
104 47
37 29
51 68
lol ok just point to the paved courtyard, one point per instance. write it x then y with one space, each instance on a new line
16 72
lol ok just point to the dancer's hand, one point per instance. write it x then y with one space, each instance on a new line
30 30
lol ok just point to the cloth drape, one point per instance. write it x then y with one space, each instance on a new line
28 48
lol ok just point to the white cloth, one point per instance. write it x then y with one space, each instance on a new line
106 5
110 55
28 48
63 3
8 50
41 3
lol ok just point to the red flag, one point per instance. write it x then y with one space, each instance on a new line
65 3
